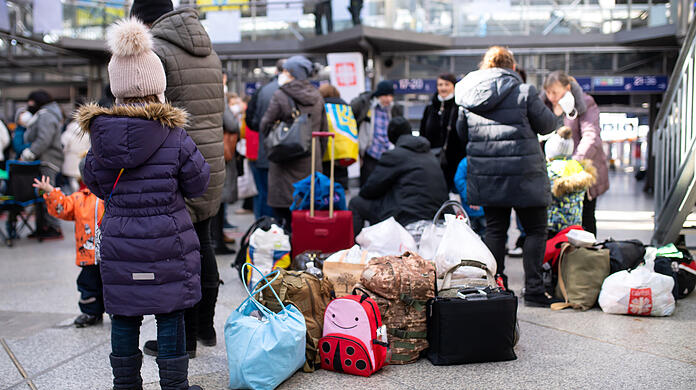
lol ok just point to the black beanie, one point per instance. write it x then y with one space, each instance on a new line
398 126
384 88
150 10
40 97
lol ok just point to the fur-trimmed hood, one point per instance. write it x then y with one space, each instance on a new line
127 135
164 113
573 182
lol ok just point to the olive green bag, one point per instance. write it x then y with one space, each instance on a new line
310 295
581 272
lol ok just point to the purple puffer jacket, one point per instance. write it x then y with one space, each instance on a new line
150 261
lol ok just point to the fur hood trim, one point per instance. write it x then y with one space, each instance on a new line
581 181
166 114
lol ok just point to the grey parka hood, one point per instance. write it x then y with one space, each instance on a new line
182 28
482 90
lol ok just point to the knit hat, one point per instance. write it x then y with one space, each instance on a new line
384 88
448 77
398 126
150 10
560 144
134 69
299 67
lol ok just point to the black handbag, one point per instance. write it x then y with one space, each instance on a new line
289 141
480 325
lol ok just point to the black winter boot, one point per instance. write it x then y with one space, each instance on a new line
127 372
206 312
174 374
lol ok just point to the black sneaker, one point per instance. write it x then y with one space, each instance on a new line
150 349
540 300
222 249
84 320
51 234
209 340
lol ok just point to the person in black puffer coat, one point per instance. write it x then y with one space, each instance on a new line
500 119
407 183
439 127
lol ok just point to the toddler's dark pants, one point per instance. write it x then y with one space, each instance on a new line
89 284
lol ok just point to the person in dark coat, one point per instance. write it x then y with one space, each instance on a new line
256 109
294 84
407 183
439 126
143 164
506 167
194 83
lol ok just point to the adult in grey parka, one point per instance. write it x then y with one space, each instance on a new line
501 118
43 133
194 83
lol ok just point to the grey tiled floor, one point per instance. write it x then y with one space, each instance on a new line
38 300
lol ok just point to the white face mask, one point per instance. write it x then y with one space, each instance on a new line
283 79
236 109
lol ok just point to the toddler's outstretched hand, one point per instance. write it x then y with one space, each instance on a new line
43 185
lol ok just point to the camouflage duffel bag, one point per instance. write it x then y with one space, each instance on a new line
401 286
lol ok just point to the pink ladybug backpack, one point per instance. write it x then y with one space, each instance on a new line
354 339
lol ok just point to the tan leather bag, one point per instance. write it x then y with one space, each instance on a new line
310 295
581 272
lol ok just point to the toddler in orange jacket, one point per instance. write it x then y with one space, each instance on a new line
84 208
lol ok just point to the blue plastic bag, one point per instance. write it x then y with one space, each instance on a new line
262 353
301 196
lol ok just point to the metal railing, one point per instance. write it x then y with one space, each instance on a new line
674 147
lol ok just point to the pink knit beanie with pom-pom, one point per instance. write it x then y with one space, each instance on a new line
134 69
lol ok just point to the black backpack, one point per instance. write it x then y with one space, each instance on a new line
624 255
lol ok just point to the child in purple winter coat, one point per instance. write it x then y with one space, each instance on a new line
142 164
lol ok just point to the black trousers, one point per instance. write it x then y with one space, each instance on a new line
368 165
363 210
589 222
210 281
89 284
534 221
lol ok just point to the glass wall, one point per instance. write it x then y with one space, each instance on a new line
242 20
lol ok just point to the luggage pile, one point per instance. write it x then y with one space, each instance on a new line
623 277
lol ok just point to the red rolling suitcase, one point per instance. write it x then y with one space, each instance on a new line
321 230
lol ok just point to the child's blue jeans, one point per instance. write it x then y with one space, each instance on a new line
171 340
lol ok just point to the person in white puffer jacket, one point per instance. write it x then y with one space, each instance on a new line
75 145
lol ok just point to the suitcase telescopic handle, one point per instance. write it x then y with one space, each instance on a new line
315 135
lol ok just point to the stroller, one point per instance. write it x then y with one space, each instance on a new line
16 196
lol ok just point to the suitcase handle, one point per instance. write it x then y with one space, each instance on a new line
315 135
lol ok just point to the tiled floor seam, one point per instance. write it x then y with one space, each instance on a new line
18 365
607 342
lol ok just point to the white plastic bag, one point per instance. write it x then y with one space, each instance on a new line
639 292
460 242
354 255
268 250
246 186
386 238
434 231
